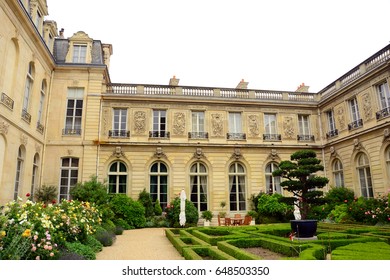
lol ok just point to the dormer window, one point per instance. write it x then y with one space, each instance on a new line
79 53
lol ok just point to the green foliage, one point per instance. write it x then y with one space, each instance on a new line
129 210
157 208
362 251
173 212
105 237
93 243
145 199
301 181
46 194
81 249
91 191
340 214
207 215
272 208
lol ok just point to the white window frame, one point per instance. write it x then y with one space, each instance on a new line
235 122
198 121
118 175
304 124
354 109
79 53
74 121
331 120
270 124
364 175
71 180
272 182
383 93
338 173
237 179
199 179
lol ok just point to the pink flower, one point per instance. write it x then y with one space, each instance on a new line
28 194
51 254
38 258
345 201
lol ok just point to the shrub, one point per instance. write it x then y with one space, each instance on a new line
93 243
146 201
173 212
91 191
80 249
157 208
129 210
106 238
271 207
45 194
207 215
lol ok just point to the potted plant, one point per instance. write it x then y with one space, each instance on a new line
207 216
253 215
303 184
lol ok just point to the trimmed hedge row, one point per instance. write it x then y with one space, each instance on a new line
363 251
221 236
199 253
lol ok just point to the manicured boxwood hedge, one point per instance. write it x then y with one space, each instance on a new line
362 251
208 252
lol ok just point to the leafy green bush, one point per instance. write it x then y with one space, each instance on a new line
93 243
80 249
173 212
46 194
106 238
91 191
157 208
129 210
145 199
271 207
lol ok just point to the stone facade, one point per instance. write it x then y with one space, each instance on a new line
217 144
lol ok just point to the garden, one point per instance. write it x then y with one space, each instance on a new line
40 228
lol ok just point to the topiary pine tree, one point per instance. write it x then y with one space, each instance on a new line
301 181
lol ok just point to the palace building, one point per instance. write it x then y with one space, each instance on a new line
62 120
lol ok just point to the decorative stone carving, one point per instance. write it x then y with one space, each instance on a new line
139 122
105 121
179 123
70 152
367 108
38 148
341 117
118 152
236 154
217 124
273 155
333 152
288 128
254 125
199 153
23 139
386 134
4 127
159 153
357 145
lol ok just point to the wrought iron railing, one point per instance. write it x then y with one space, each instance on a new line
198 135
332 133
119 133
236 136
305 137
356 124
272 137
159 134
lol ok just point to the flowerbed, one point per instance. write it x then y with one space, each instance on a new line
32 230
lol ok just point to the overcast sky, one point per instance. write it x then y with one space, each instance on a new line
274 45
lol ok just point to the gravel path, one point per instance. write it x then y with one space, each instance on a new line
140 244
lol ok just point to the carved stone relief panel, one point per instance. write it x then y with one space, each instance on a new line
288 128
105 121
367 106
254 125
217 124
179 123
340 117
4 127
139 122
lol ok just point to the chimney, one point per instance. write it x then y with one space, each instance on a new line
173 81
62 33
302 88
242 85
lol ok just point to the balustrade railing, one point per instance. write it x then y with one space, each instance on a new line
7 101
304 137
356 124
26 116
332 133
40 128
382 113
119 133
159 134
236 136
198 135
272 137
71 131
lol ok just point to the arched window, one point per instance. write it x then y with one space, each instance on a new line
117 178
69 176
272 183
198 185
363 169
388 162
237 187
159 183
338 174
19 170
34 178
28 87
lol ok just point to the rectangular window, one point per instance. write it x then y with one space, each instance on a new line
119 123
79 53
354 109
331 122
304 125
198 122
159 124
270 124
74 111
40 108
69 176
383 95
235 124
